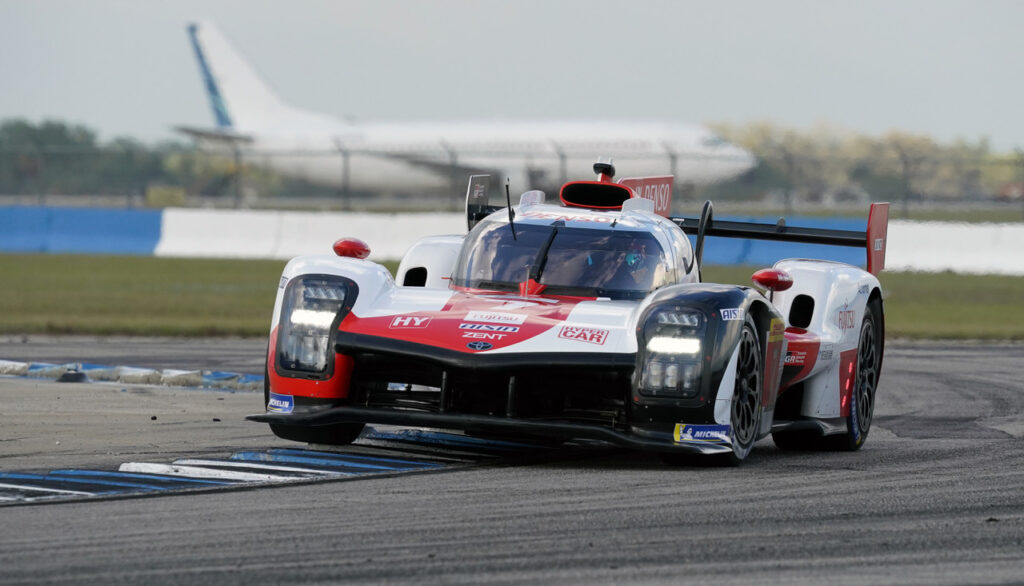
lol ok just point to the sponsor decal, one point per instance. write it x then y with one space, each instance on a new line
879 244
280 403
600 219
796 358
863 290
825 354
732 314
284 281
656 189
409 321
499 317
489 328
777 330
479 345
774 356
685 432
847 319
483 335
581 334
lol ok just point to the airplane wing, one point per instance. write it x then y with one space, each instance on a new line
215 135
435 164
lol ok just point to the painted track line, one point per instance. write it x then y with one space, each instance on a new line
201 472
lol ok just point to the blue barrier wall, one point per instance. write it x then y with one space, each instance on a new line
99 231
78 230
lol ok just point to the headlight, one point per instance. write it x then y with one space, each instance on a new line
671 353
310 309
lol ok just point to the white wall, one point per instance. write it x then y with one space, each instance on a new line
920 246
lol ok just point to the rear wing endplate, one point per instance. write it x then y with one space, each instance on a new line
873 239
477 207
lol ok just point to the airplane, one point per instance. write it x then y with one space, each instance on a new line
260 128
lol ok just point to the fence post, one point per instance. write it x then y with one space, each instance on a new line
238 175
346 195
1020 160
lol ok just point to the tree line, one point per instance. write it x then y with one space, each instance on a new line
55 157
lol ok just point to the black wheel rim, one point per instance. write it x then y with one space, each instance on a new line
867 375
745 397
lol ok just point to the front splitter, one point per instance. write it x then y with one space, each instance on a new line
488 424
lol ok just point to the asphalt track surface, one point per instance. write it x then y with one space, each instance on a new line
935 497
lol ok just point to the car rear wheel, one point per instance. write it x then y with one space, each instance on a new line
862 399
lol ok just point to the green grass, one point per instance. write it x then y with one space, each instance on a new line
72 294
936 305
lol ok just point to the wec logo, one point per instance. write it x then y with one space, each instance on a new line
589 335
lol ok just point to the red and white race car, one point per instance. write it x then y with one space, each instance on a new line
583 318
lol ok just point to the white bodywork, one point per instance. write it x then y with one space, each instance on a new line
840 293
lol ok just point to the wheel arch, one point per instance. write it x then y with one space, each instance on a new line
876 295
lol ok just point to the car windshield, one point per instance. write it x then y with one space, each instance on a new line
601 262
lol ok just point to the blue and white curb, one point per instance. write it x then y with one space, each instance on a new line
213 379
375 453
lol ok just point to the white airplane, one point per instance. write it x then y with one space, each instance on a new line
255 123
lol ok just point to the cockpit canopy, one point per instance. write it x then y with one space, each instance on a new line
620 264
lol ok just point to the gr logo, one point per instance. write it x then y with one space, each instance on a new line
409 321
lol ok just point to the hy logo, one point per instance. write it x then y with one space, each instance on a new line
409 321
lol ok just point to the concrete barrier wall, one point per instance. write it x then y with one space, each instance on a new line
922 246
77 230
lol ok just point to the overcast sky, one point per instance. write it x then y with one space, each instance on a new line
951 69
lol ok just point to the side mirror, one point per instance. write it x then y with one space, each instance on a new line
772 279
351 248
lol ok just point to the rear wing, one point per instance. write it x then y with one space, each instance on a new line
872 240
477 207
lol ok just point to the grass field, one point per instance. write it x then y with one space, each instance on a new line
72 294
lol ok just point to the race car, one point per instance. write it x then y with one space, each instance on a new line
584 319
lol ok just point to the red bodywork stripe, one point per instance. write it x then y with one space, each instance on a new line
847 376
801 355
500 319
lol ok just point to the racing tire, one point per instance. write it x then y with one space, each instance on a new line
746 409
335 434
862 399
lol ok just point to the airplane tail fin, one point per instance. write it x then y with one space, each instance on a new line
240 99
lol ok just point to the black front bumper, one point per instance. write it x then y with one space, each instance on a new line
585 395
